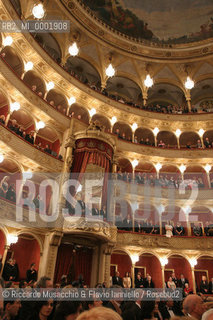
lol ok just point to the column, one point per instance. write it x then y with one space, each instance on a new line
163 275
133 275
107 262
160 224
156 141
68 159
208 179
51 244
193 279
6 248
145 97
201 139
178 142
188 99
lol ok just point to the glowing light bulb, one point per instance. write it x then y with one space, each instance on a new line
110 71
38 11
73 49
8 41
189 84
148 81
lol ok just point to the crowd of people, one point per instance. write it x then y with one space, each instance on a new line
29 137
164 180
195 306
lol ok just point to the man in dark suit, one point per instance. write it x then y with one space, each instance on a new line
148 283
204 286
116 280
211 286
103 213
95 211
139 283
182 281
127 223
174 278
138 226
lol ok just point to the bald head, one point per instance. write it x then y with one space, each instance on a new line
208 315
193 305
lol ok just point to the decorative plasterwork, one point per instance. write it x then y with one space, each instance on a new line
143 48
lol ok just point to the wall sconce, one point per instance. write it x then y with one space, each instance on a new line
1 158
178 133
193 262
163 261
50 85
7 41
113 120
201 132
11 239
134 163
155 131
28 66
71 100
40 125
207 168
158 166
134 126
14 106
110 71
92 112
182 168
134 258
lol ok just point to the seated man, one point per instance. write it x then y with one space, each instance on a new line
179 230
127 223
206 228
138 226
197 230
95 211
47 149
204 286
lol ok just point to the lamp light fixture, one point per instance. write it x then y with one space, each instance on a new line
40 125
92 112
11 238
50 85
134 126
71 100
135 163
182 168
28 66
73 49
1 158
201 132
155 131
113 120
163 261
8 41
178 133
189 83
148 82
207 168
134 258
38 11
14 106
158 166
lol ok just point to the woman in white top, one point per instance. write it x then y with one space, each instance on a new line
171 284
169 229
127 280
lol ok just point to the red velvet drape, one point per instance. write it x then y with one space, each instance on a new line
92 151
76 263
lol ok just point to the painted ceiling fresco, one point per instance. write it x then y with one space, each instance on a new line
165 21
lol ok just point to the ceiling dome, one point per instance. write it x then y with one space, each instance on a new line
164 21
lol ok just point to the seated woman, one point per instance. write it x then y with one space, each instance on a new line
187 290
161 144
197 230
171 284
169 229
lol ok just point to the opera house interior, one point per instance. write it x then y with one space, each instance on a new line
106 143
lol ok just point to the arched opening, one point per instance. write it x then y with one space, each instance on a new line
201 221
149 264
208 139
57 100
123 216
146 219
9 173
50 45
43 195
204 268
12 59
123 131
104 121
166 139
48 140
179 265
175 217
169 176
120 262
79 112
145 136
26 251
83 71
189 140
166 98
21 122
198 175
123 90
32 79
124 170
201 96
4 107
145 173
73 260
